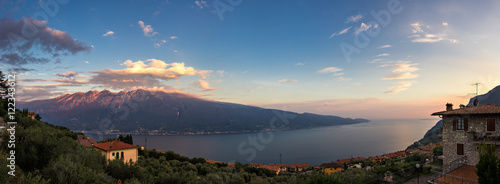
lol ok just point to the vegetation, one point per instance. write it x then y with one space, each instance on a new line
488 168
438 150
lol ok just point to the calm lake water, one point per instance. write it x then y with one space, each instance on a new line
313 146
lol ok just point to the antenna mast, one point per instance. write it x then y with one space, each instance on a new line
476 84
476 101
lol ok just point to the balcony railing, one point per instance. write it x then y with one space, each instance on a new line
484 137
455 164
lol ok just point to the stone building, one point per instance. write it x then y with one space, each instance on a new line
464 129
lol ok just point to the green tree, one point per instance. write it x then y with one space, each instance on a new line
488 166
38 117
3 84
438 150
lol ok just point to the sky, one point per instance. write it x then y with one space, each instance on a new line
359 59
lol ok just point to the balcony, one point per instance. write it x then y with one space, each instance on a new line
484 137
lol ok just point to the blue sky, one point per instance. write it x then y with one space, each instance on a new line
285 55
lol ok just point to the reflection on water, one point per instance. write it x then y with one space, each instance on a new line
313 146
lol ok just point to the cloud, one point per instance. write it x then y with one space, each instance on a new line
201 4
445 23
344 31
30 93
421 36
402 70
87 62
385 46
429 38
338 74
19 70
21 59
299 64
109 33
147 29
204 85
165 89
61 82
383 55
256 88
160 43
144 74
355 18
406 75
173 37
365 27
399 87
416 27
403 67
287 81
30 80
329 70
375 60
68 75
341 79
17 49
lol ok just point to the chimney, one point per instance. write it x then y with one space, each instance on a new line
449 106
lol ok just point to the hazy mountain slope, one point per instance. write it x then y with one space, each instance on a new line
433 135
159 112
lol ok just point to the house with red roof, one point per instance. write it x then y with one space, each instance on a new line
118 150
298 167
378 158
86 141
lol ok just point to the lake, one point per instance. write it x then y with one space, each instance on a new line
313 146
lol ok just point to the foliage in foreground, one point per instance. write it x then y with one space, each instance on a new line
488 168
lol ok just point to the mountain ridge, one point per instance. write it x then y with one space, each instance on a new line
157 112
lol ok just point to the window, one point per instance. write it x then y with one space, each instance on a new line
460 149
122 154
460 124
490 125
117 155
113 154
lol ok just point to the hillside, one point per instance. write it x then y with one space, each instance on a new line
433 135
146 112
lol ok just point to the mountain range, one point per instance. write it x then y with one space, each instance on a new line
157 112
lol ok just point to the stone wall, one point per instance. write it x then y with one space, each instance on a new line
451 138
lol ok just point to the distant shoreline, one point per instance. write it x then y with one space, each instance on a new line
206 133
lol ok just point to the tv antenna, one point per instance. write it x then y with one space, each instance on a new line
476 84
476 101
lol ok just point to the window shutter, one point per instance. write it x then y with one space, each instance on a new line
454 124
490 125
466 124
460 149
